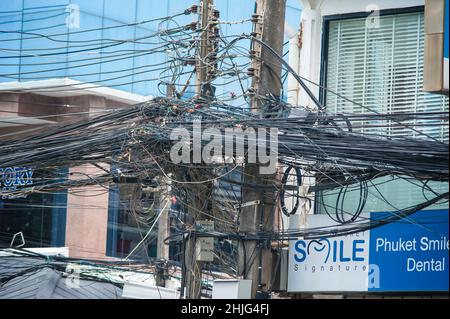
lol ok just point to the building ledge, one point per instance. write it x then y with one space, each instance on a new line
68 87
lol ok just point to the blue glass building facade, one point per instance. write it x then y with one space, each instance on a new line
43 39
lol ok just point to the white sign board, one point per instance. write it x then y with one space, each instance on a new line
317 265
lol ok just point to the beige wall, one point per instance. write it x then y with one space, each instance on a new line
87 207
87 217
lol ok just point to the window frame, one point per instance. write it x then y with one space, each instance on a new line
325 52
326 32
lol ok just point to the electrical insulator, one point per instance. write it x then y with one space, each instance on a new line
190 61
193 9
216 14
251 91
255 18
191 26
214 34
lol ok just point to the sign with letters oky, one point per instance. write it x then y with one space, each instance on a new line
13 177
409 255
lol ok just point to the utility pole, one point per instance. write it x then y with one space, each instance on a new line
204 73
162 250
201 68
258 211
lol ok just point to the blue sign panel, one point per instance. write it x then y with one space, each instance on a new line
412 254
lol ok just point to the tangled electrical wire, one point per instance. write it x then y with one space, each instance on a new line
133 145
137 141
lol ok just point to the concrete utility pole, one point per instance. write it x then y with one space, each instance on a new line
258 211
204 73
162 250
201 68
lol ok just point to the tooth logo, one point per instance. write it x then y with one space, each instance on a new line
318 247
322 246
